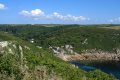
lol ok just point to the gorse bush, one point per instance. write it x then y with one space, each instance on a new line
21 60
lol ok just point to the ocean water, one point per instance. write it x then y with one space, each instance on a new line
110 67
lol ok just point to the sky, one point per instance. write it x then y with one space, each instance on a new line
59 11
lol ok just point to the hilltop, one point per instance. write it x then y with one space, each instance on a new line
21 60
83 39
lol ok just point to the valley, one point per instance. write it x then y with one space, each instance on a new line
42 53
59 40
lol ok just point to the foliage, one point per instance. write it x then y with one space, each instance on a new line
81 37
14 64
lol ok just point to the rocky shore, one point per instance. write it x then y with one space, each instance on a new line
90 56
66 53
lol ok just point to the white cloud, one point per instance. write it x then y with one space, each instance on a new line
115 19
38 14
2 6
69 17
111 20
32 13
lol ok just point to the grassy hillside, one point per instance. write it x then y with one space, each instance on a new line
81 37
21 60
86 38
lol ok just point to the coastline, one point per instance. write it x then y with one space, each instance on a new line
90 56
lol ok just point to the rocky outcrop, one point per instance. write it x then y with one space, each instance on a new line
66 49
67 54
94 56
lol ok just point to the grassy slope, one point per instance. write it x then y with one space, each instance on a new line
97 38
10 64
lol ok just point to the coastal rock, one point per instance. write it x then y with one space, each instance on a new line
66 53
89 56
